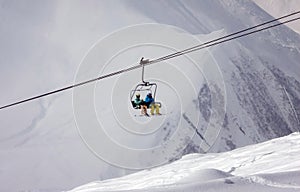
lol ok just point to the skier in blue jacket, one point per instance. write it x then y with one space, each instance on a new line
149 102
148 99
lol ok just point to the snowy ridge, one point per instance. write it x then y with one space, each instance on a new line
270 166
262 85
277 8
263 89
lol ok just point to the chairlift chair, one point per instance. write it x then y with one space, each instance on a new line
144 87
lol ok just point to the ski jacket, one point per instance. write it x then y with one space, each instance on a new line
149 99
138 101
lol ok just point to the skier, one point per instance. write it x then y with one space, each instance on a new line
149 102
140 104
138 101
148 99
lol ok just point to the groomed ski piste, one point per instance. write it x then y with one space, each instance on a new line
270 167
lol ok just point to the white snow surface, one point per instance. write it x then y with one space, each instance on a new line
270 166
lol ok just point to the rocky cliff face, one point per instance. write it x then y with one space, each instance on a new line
259 71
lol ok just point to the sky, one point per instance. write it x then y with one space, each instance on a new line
44 43
278 8
42 46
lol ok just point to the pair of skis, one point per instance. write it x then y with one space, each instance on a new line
147 115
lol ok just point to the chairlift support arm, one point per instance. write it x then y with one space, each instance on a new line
143 62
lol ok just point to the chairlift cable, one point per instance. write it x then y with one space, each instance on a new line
183 52
226 36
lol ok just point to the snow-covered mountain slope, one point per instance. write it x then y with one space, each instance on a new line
260 71
277 8
270 166
43 44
